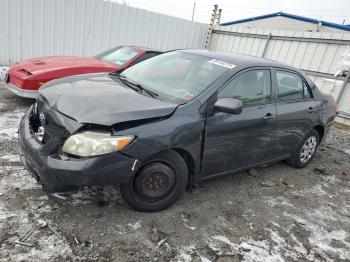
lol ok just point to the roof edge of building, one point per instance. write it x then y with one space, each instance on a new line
296 17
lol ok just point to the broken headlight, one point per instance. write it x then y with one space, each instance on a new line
94 144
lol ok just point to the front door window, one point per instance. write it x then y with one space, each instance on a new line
251 88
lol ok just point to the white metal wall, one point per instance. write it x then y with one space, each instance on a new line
32 28
319 54
286 23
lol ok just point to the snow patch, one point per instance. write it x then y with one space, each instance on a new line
185 222
184 257
249 249
9 123
11 158
204 259
315 190
185 253
15 222
277 201
47 246
321 239
16 177
291 249
134 226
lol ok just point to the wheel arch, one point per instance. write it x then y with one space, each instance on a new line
320 131
190 163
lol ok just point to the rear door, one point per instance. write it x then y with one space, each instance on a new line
237 140
296 110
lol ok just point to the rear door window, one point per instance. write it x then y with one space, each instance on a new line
307 91
290 86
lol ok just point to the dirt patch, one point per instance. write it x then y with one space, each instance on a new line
273 213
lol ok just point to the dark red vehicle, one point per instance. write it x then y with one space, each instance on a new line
26 77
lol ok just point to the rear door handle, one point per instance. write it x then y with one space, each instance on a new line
310 110
269 116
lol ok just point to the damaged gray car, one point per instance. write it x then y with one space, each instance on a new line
169 122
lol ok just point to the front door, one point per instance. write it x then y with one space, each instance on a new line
237 140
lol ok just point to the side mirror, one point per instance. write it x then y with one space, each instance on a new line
228 105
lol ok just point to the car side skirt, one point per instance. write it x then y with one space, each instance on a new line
238 170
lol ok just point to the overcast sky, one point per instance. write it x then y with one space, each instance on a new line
328 10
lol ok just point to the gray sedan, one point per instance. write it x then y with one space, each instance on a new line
171 121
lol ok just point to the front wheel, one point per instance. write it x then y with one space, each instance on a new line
306 150
158 184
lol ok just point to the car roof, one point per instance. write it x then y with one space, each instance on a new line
235 58
142 48
246 61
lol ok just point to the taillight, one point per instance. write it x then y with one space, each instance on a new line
336 108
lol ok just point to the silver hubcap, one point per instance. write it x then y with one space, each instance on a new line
308 149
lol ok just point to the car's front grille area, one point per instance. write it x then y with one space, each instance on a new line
52 130
44 125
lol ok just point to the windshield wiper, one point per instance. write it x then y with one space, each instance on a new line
124 80
139 87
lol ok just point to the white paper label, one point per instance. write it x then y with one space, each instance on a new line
222 63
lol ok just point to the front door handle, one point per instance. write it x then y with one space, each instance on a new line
310 110
269 116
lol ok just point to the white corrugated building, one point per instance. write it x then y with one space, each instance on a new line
288 22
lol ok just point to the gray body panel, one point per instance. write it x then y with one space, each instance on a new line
212 143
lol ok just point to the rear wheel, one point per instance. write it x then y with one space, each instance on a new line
158 184
306 150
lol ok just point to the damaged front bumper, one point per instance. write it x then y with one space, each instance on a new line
58 173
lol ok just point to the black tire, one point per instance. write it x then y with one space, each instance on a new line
158 184
295 159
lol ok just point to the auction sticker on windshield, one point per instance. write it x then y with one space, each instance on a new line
222 63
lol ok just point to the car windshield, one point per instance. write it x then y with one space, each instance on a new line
118 56
176 75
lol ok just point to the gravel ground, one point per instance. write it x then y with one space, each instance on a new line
272 213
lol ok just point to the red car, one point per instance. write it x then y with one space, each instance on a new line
26 77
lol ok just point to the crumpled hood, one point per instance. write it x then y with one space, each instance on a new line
97 99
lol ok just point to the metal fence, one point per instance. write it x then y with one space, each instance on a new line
32 28
320 55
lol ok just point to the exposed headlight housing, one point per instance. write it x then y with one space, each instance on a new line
95 143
